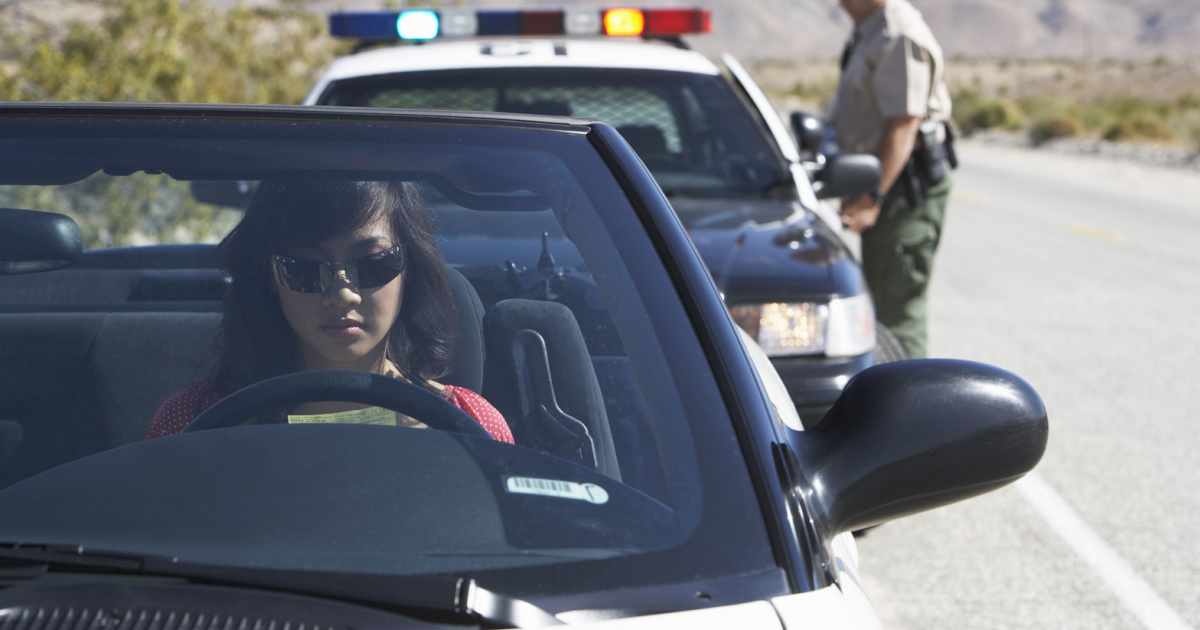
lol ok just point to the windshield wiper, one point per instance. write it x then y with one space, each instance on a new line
460 597
494 607
19 570
36 554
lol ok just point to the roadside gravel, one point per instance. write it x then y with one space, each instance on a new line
1165 169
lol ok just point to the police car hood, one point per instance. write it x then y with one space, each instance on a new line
760 249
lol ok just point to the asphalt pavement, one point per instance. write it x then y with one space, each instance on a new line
1082 277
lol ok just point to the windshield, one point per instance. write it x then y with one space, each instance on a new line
691 130
556 426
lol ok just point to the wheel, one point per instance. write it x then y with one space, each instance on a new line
357 387
887 347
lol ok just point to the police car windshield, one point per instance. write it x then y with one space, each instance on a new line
691 130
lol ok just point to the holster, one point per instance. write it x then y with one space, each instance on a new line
951 155
906 193
926 167
929 154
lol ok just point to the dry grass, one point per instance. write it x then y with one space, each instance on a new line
1155 100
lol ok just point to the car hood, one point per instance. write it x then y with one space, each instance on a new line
753 259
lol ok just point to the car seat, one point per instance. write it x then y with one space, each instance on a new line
466 363
97 378
76 383
539 373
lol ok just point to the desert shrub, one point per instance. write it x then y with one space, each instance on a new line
973 112
168 50
1055 126
816 93
137 209
1193 134
1143 125
997 114
1041 108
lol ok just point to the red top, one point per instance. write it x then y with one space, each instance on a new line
180 410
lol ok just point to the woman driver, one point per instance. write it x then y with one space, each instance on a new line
333 276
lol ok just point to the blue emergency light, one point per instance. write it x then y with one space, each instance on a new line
425 24
417 25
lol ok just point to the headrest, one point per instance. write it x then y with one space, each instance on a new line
466 364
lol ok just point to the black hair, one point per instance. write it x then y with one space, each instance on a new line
256 341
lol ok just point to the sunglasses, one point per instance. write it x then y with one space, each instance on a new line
316 276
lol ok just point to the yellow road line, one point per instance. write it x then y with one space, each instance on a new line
968 197
1094 232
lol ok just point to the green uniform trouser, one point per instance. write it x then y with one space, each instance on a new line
897 259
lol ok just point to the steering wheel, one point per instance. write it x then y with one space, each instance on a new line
347 386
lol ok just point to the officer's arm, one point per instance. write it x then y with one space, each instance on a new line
899 138
895 147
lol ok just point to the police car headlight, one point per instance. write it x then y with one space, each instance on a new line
842 327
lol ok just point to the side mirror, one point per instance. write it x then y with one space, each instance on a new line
809 131
910 436
848 174
32 241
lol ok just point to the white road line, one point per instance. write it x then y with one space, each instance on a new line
1133 592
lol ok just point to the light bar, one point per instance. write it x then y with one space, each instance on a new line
425 24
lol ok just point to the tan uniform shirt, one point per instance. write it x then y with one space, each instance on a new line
895 68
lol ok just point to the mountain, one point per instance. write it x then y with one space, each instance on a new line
1074 29
791 29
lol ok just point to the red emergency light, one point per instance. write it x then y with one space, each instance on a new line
541 23
661 22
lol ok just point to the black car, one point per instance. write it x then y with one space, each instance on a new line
712 141
649 471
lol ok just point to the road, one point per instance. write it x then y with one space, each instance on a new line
1084 279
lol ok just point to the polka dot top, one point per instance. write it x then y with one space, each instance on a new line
481 410
183 407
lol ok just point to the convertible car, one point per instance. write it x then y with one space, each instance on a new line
657 467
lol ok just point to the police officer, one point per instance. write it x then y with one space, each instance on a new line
892 102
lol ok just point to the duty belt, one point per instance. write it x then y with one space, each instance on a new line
925 168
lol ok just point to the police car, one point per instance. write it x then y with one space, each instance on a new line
713 142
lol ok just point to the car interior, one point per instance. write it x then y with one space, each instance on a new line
89 352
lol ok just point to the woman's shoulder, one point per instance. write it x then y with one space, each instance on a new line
181 408
481 410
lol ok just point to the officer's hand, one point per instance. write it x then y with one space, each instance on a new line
859 213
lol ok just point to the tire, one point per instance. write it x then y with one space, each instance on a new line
887 347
